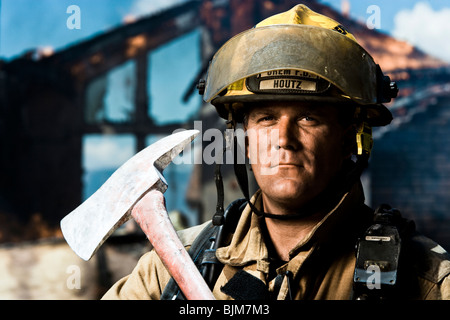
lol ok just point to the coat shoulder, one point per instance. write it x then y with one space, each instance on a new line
429 259
187 236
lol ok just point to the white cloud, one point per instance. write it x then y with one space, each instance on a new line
425 28
100 152
142 8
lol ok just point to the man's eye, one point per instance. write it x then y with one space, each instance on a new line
309 120
266 118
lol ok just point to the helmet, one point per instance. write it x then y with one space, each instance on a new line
298 55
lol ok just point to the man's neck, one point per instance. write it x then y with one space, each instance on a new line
286 234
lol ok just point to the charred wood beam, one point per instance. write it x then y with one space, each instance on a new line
96 56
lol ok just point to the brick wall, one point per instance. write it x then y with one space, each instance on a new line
410 170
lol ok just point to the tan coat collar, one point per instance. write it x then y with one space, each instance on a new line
247 245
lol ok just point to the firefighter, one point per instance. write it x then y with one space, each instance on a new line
307 95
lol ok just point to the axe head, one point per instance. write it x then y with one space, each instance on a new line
89 225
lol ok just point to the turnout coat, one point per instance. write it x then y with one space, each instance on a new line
321 266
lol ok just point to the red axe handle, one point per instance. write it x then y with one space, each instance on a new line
151 215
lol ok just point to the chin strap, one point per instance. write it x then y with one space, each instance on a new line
218 218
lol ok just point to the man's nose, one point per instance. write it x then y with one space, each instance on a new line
288 135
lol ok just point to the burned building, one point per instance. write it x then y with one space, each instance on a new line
51 106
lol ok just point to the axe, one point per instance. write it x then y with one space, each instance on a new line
136 190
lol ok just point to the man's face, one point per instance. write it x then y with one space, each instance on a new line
295 150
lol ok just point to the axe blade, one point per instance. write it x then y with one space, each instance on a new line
90 224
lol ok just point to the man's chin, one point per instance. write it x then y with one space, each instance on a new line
293 200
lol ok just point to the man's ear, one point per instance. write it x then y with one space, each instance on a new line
349 141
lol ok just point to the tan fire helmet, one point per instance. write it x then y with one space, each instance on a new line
298 55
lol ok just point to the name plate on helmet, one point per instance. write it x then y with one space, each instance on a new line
288 82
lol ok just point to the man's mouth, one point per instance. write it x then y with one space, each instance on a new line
287 164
